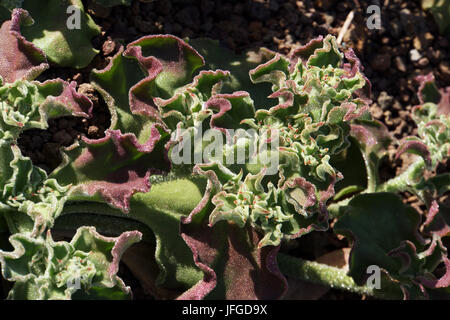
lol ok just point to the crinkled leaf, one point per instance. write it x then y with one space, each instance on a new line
151 67
84 268
25 105
234 266
28 197
218 57
281 212
26 189
161 209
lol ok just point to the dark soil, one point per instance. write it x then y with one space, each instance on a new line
407 45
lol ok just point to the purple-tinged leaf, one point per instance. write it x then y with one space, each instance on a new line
436 222
372 136
65 94
305 52
274 71
327 55
234 264
19 58
151 69
354 67
178 61
442 282
114 167
415 147
65 42
428 91
218 57
235 268
230 109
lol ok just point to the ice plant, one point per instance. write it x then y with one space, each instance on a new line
215 225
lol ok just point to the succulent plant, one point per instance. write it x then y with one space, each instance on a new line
217 217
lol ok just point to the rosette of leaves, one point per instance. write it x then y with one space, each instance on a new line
318 95
145 86
215 227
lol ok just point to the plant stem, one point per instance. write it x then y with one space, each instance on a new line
328 276
372 173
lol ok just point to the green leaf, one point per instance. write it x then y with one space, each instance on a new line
384 233
50 32
44 269
160 209
219 57
151 67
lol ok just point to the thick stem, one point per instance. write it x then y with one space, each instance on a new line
327 276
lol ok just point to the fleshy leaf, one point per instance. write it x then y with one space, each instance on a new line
438 219
417 147
234 266
19 58
384 232
428 92
84 268
151 67
52 31
114 167
27 105
219 57
160 209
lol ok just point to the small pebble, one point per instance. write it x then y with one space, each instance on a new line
414 55
400 64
